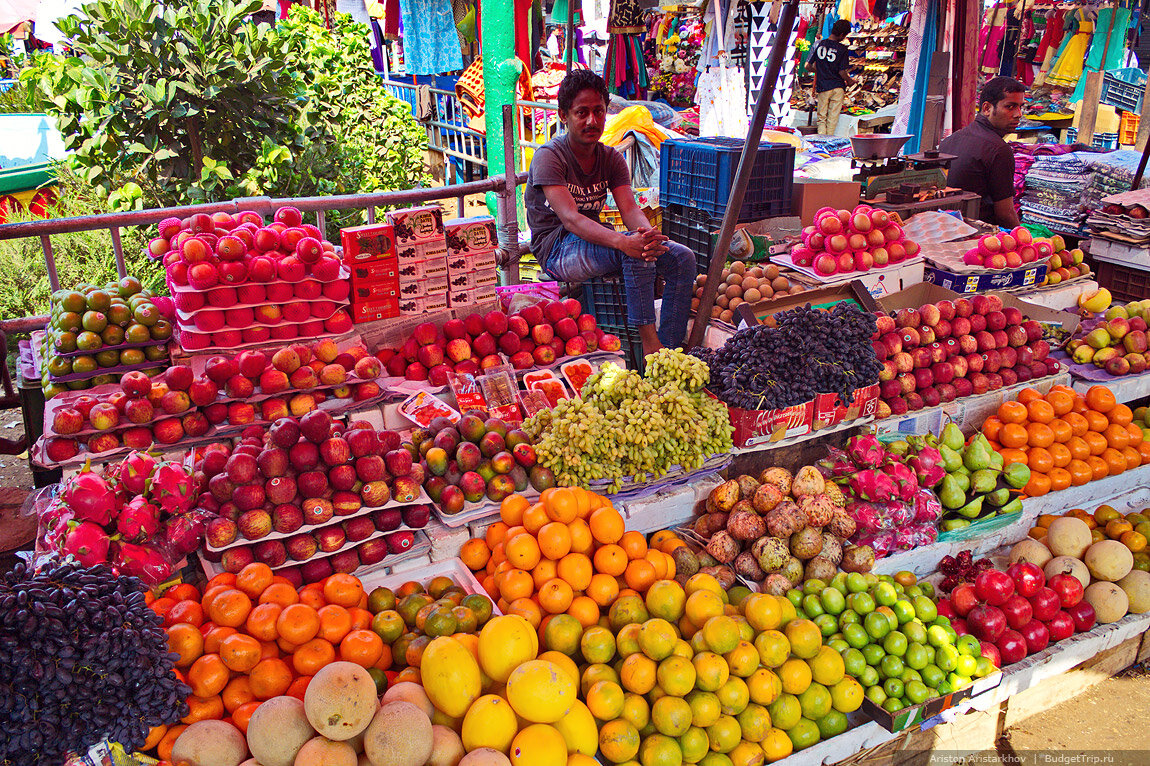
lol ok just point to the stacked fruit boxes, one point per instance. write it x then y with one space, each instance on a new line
471 262
369 252
422 256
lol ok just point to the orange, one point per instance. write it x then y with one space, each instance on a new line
606 525
611 559
1078 423
343 590
1040 411
1100 399
584 610
214 637
185 611
168 741
555 596
1039 459
545 570
1096 421
1096 442
1115 528
634 544
1136 434
581 540
155 734
522 551
297 623
312 595
585 501
1115 461
243 715
1039 435
1060 401
512 508
204 709
1135 541
298 687
312 656
223 578
1061 455
230 609
494 534
1038 485
562 505
1080 472
992 427
237 692
1080 406
279 593
363 647
1060 478
515 583
270 678
187 641
240 653
1028 395
1144 451
475 554
261 622
1133 457
1121 415
576 569
1062 430
639 575
657 560
1117 436
1099 468
554 540
1010 455
334 623
534 518
208 675
162 606
254 578
1079 449
1012 412
527 609
360 618
603 589
1013 436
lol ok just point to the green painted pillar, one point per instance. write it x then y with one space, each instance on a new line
500 73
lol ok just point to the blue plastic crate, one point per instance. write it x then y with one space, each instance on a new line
605 298
1100 141
1124 88
699 173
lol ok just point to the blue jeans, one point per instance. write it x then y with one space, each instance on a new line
574 259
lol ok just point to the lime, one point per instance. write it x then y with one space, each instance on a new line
968 645
903 611
895 643
815 701
966 666
937 636
874 654
932 676
804 734
833 601
925 609
812 606
832 724
891 667
893 705
876 695
814 586
869 677
785 711
856 635
893 687
837 643
862 603
927 589
916 657
885 594
826 623
856 582
795 596
913 592
839 581
957 681
853 662
910 674
947 658
915 632
877 626
848 617
916 692
694 744
381 600
985 667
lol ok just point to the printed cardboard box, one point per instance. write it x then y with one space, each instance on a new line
367 243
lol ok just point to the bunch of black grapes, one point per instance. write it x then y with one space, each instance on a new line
82 658
807 352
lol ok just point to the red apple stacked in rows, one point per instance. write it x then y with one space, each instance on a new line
1009 251
950 349
1017 613
537 335
844 241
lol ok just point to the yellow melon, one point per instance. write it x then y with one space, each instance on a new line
506 642
450 676
340 700
579 730
539 745
1109 601
540 691
485 756
490 722
1136 584
446 747
1109 560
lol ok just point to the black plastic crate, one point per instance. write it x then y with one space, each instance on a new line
699 173
1125 283
605 298
631 345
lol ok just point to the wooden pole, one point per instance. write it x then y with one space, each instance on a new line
1144 120
786 26
1092 94
569 34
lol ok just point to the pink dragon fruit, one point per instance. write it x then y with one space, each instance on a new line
182 534
54 522
866 451
171 488
86 541
90 497
866 516
838 464
927 508
927 465
873 486
895 514
903 478
135 471
915 535
881 542
138 521
142 561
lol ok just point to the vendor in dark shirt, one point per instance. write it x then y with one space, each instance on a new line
985 163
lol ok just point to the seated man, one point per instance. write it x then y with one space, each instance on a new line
566 188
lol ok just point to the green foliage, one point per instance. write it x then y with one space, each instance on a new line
80 257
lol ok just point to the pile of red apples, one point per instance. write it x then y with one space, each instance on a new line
843 241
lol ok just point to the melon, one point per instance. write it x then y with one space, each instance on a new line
277 730
1068 536
485 756
1109 601
450 676
1136 584
541 692
321 751
446 747
490 723
504 643
399 735
406 691
1109 560
1031 551
340 700
210 743
1067 565
539 745
579 730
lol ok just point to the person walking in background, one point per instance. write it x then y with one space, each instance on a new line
829 62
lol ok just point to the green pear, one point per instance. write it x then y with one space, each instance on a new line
996 461
951 459
952 437
1017 475
976 456
983 481
999 497
1014 506
972 509
952 524
900 447
962 480
950 494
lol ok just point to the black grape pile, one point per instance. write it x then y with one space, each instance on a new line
82 657
809 352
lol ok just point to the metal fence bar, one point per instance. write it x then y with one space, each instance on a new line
118 249
371 215
50 262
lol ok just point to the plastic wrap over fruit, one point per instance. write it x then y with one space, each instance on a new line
867 517
895 514
927 508
837 464
914 535
882 542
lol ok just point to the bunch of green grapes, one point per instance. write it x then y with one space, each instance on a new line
670 366
626 425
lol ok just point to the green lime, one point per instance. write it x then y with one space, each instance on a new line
917 692
913 592
885 594
968 645
891 666
932 676
967 665
957 681
915 632
895 643
903 611
380 679
826 623
876 695
854 662
877 625
839 582
937 636
804 734
893 687
813 587
925 609
862 603
947 658
869 677
795 596
985 667
837 643
910 674
832 724
849 616
874 654
856 582
927 589
916 657
893 705
812 606
785 711
833 601
856 635
815 701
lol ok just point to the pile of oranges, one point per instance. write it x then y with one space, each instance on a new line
1067 439
251 636
567 553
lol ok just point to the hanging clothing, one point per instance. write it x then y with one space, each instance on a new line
990 40
625 70
1068 68
431 44
1009 43
1051 40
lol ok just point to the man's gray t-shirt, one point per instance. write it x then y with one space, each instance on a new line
554 164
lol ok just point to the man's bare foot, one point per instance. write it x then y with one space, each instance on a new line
650 338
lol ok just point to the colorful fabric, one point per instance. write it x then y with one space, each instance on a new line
1068 68
431 44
